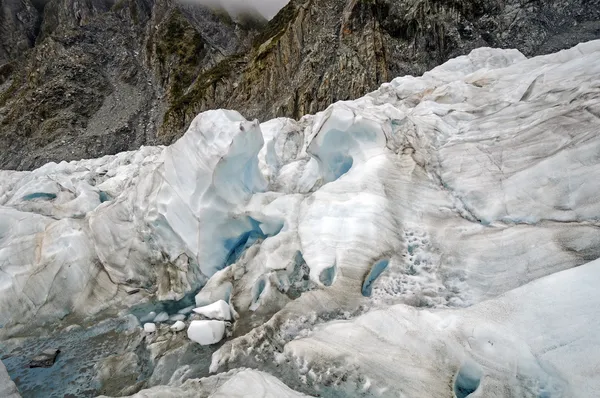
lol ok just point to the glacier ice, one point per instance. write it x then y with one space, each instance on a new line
373 274
162 317
206 332
7 387
526 343
178 326
438 235
218 310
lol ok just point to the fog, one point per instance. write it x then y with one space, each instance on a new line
268 8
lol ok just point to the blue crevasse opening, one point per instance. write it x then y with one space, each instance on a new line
340 165
40 195
238 245
258 289
375 272
328 275
467 381
104 197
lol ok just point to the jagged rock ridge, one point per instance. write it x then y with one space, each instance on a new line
107 76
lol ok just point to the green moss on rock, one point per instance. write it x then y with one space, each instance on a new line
179 49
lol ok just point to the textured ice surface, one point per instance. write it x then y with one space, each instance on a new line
533 341
7 387
475 183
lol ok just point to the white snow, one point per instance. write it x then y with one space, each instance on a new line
218 310
206 332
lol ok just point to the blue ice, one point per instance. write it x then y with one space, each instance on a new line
467 380
40 195
237 246
328 275
375 272
104 197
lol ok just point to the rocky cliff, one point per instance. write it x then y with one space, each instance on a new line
316 52
81 79
102 77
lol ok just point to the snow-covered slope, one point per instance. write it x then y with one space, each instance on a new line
450 207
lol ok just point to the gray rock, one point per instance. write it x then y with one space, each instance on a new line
85 79
45 359
342 49
118 374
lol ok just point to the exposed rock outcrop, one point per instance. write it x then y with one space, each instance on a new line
315 52
104 76
98 74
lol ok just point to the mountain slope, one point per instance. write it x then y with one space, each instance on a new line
98 75
316 52
103 77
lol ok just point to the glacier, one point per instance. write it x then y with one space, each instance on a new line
438 236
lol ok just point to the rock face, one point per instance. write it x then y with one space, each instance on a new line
316 52
85 79
20 25
45 360
102 77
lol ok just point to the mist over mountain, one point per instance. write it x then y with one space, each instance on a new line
268 8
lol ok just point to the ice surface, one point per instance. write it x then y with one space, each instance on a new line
529 342
206 332
237 383
162 317
149 317
375 272
7 387
178 326
426 206
249 383
218 310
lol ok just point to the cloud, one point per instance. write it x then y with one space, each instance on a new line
268 8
